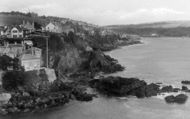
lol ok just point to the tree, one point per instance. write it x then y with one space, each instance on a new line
5 62
12 80
37 25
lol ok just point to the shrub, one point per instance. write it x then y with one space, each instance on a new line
12 80
5 62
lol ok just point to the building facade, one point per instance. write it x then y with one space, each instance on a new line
29 26
51 27
12 32
30 62
16 32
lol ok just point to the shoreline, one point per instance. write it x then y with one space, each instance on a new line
36 103
83 96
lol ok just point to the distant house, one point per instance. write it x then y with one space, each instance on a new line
154 35
106 32
52 27
29 26
59 27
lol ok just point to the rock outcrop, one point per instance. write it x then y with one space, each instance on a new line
118 86
179 99
185 82
97 61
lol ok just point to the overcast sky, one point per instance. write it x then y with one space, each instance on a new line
105 12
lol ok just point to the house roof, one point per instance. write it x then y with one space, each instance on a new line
18 27
9 28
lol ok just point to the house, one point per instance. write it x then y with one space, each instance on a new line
16 32
52 27
13 32
12 47
31 58
30 62
28 26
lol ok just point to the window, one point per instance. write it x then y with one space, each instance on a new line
15 31
14 36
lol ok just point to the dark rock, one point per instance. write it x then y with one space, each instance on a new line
81 95
167 89
118 86
184 88
99 62
185 82
180 99
152 90
170 99
176 90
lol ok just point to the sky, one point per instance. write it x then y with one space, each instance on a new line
105 12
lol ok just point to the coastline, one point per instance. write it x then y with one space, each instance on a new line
168 91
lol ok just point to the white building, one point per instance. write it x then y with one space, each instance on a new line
13 32
30 62
16 32
51 27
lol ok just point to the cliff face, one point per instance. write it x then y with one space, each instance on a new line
66 61
70 54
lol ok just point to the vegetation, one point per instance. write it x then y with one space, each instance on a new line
12 80
8 62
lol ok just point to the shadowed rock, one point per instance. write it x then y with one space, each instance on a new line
167 89
185 82
118 86
179 99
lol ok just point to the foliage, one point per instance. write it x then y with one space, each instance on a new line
8 62
12 80
5 62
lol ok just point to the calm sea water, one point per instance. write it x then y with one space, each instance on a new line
165 60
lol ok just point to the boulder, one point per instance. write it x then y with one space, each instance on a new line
185 82
176 90
167 89
4 98
184 88
179 99
152 90
170 99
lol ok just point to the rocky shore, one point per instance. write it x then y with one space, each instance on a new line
122 87
22 102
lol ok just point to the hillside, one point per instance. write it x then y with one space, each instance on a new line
171 28
15 18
